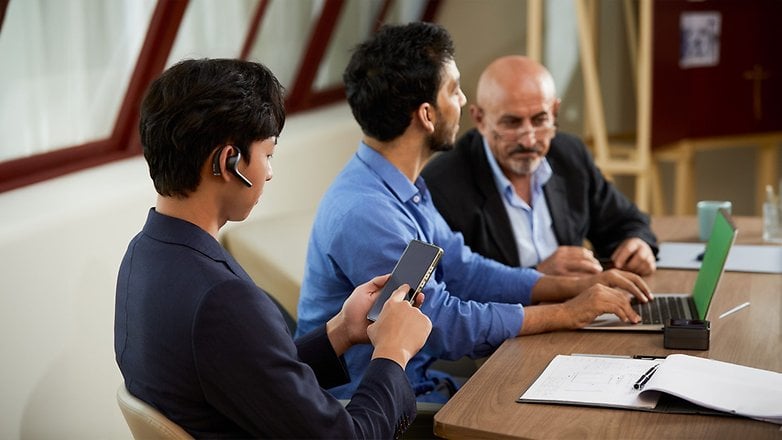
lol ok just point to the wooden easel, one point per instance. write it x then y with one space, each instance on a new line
613 158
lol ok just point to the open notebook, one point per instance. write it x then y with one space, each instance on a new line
667 306
679 384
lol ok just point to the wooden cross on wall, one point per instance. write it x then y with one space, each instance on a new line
757 75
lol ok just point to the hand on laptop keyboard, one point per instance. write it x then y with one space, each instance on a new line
597 300
620 279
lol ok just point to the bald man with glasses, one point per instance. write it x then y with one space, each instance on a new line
524 194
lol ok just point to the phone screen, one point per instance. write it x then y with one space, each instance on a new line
414 268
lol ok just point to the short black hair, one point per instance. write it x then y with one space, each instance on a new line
198 105
393 73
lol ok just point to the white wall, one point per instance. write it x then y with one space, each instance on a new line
60 245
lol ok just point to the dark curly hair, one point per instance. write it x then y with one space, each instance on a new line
393 73
198 105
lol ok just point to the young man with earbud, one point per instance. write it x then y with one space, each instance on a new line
194 336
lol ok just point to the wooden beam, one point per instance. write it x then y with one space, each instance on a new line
535 29
631 32
644 102
594 99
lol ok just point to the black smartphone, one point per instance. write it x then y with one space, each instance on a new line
414 268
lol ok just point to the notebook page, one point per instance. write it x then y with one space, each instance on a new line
590 380
723 386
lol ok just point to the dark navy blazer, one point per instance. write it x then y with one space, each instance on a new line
197 339
583 205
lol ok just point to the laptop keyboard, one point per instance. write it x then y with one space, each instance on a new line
662 309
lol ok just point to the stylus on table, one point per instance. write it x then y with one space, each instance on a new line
734 310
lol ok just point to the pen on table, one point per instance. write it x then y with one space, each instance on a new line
647 356
734 310
639 384
700 256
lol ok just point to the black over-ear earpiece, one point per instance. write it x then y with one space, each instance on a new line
232 162
216 162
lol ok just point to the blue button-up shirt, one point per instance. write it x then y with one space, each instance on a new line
531 223
363 224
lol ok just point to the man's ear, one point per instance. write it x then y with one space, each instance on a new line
479 119
425 114
555 108
476 113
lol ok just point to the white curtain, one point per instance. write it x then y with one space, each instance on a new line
213 29
64 66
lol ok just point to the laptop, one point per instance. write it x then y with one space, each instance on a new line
668 306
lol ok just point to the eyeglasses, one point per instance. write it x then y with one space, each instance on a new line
540 133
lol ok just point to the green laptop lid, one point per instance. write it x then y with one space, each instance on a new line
723 234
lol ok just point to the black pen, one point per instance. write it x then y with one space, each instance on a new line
647 356
639 384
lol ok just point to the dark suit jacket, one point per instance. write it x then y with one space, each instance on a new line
197 339
582 203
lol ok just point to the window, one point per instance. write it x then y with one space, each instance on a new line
62 64
74 71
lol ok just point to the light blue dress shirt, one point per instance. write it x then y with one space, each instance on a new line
532 225
363 224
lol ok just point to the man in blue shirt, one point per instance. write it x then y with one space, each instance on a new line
403 89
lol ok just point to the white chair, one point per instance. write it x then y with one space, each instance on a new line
145 422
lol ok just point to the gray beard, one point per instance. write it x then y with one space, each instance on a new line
524 167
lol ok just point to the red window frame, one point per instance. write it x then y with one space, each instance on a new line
164 25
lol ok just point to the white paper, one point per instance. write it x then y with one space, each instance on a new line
601 381
722 386
742 257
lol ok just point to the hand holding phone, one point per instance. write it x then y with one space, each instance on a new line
400 330
414 269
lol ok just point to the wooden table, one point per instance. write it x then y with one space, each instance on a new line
486 406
